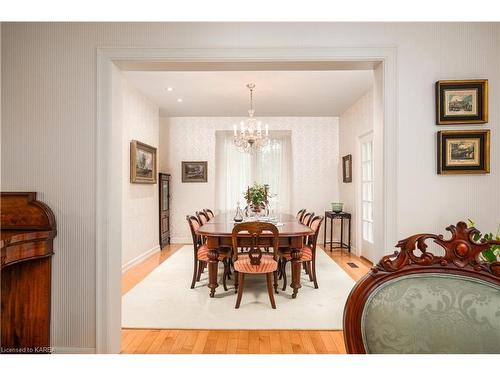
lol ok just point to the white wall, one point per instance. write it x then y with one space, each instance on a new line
49 125
140 228
314 164
356 121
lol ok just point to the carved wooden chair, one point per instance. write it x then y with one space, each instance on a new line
255 261
300 214
202 217
201 254
307 254
415 301
307 217
209 213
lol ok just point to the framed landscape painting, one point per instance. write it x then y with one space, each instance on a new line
462 102
142 163
194 171
463 151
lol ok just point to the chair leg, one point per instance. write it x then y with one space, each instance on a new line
314 274
195 272
270 289
304 266
201 265
284 276
235 281
280 268
224 276
241 277
275 283
309 272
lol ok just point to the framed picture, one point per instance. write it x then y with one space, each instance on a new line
462 102
142 163
194 171
463 151
347 168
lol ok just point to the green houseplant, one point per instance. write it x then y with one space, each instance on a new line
493 253
256 196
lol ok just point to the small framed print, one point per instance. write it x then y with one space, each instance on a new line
194 171
463 151
462 102
347 168
142 163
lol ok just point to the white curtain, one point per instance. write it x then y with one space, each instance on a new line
235 170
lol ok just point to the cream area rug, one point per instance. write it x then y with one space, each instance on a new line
163 300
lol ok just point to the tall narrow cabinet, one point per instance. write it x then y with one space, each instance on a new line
164 186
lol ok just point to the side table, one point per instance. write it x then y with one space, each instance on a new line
342 216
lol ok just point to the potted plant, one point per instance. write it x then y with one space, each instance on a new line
256 196
493 253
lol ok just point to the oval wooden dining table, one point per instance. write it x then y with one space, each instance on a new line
218 232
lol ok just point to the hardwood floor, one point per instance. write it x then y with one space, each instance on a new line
185 341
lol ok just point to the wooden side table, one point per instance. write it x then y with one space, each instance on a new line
342 216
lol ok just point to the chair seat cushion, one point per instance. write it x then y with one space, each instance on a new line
203 254
305 254
267 264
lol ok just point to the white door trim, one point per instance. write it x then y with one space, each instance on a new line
108 213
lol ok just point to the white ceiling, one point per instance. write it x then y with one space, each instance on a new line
277 93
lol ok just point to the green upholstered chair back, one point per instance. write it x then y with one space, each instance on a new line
432 313
418 302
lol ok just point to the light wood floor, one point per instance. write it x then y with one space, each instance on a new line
232 341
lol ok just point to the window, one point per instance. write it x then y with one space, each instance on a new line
235 170
367 190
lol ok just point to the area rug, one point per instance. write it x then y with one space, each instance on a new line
163 300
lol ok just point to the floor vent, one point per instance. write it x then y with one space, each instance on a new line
352 265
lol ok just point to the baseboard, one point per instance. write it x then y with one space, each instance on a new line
181 240
73 350
140 258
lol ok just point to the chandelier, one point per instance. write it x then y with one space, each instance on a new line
251 136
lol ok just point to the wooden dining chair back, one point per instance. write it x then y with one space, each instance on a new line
194 225
209 213
307 217
418 300
255 236
202 217
300 214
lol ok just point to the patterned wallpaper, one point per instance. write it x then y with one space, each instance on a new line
315 154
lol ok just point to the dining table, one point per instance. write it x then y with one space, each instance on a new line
218 234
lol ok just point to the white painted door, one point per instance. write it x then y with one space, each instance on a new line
366 197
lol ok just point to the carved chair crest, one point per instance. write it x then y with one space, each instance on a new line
461 251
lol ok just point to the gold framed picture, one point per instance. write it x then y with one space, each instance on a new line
142 163
463 151
462 102
194 171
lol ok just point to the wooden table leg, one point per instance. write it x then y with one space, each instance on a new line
295 285
213 265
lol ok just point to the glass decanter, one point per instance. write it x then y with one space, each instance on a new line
238 217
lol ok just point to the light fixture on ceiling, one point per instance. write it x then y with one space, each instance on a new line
251 135
170 89
179 100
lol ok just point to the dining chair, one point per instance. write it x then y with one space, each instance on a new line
255 261
307 217
209 213
202 217
201 253
307 254
300 214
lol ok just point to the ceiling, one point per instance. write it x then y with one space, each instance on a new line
277 93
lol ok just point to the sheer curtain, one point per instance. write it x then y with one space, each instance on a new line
235 170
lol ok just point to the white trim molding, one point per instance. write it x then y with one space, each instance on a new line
108 210
138 259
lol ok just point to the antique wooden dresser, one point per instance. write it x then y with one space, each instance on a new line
28 230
